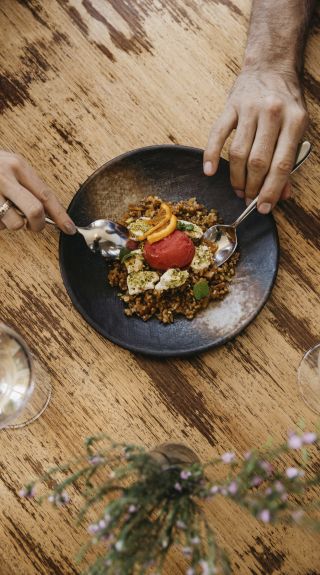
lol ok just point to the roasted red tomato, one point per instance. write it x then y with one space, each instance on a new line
174 251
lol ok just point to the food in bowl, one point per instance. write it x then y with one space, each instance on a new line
172 271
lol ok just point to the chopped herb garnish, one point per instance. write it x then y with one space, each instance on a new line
201 289
184 227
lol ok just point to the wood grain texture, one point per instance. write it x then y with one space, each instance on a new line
81 82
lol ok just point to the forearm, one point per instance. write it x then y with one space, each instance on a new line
277 35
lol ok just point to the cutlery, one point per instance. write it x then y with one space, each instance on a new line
225 236
104 237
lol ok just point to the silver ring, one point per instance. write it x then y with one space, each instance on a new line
4 208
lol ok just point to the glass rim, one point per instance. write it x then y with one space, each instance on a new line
7 330
305 357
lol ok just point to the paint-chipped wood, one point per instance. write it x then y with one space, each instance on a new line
82 81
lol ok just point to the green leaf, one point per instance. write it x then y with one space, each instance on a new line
124 254
201 289
184 227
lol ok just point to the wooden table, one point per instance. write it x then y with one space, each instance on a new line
83 81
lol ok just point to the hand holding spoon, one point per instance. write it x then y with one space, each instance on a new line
225 236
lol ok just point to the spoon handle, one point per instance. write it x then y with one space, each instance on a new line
48 221
303 152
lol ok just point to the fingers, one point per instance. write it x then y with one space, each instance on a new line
11 220
29 179
220 131
239 151
281 166
262 150
27 203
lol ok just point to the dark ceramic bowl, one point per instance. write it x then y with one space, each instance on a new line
175 173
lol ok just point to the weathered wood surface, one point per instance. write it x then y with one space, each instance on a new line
81 82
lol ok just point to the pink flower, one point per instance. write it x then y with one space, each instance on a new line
205 567
295 441
187 551
59 499
264 515
181 524
119 545
93 528
177 486
255 481
309 437
27 492
227 457
293 472
190 571
195 540
95 459
185 474
279 487
266 466
247 455
233 488
214 490
132 508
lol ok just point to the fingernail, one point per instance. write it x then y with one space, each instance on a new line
265 208
239 193
208 168
69 228
248 201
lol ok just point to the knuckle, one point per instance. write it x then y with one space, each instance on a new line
300 118
237 154
257 164
35 211
274 105
283 167
46 194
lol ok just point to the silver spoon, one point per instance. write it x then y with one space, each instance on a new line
225 236
104 237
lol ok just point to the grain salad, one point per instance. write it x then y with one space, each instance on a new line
171 270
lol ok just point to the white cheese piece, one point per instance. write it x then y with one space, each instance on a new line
141 281
139 227
134 261
196 233
202 259
172 278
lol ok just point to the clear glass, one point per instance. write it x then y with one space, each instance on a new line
25 387
309 378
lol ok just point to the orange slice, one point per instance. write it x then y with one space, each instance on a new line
163 216
164 231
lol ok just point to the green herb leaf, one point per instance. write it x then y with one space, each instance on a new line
201 289
124 254
184 227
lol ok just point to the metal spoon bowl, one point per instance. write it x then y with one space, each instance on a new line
225 236
104 237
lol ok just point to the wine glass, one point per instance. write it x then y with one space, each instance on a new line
25 387
309 378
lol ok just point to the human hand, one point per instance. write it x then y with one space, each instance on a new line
267 110
20 184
